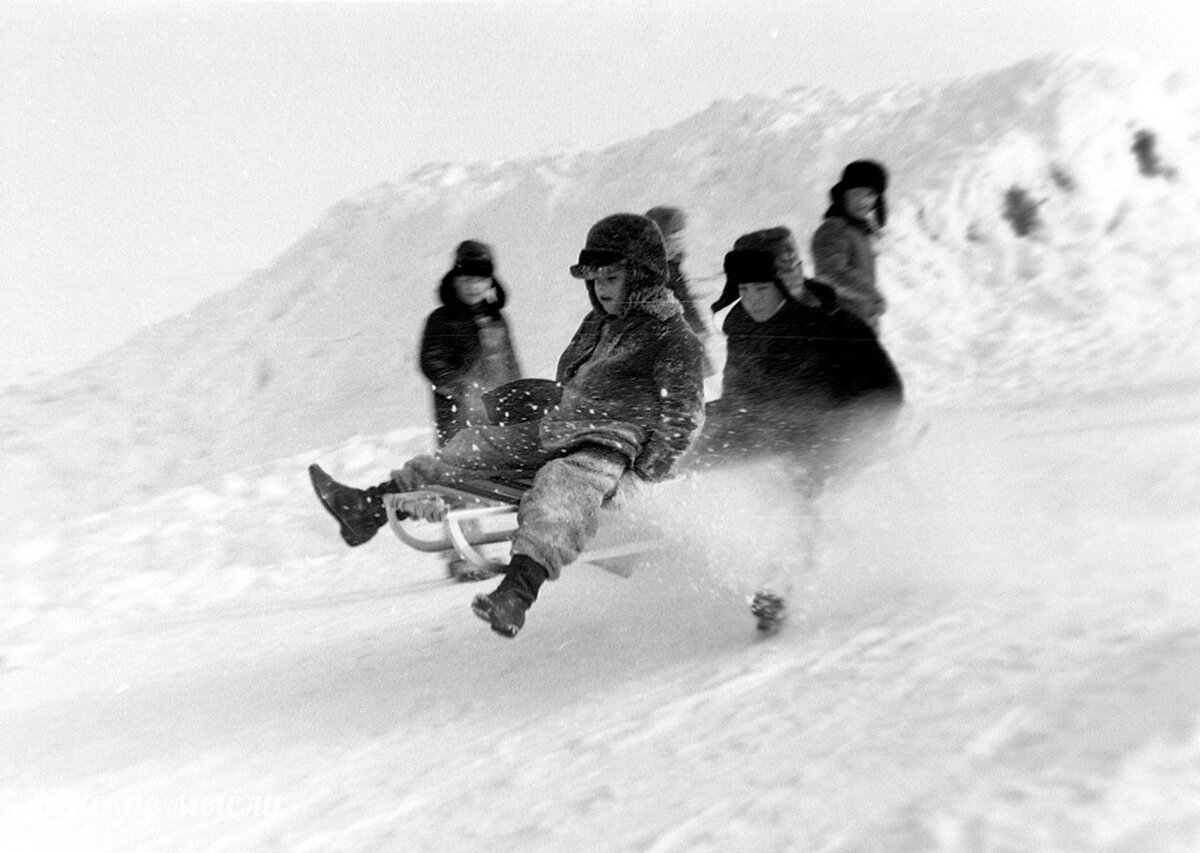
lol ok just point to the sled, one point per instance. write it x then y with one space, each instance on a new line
473 513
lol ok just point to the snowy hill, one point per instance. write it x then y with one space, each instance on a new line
1043 238
997 646
999 650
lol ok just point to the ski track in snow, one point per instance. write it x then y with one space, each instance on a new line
1000 651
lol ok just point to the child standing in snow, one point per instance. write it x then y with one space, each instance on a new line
805 381
843 247
466 348
631 401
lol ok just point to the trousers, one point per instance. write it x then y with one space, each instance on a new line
560 514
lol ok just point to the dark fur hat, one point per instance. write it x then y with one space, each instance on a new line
863 173
474 258
767 255
746 265
624 236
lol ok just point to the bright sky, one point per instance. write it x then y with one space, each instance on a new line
151 154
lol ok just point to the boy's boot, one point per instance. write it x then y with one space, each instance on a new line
770 611
504 607
359 512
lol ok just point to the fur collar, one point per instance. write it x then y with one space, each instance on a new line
657 301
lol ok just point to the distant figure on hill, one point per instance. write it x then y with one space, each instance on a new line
672 222
805 381
466 349
843 247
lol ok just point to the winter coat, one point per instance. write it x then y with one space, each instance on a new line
844 257
465 351
678 285
799 381
631 383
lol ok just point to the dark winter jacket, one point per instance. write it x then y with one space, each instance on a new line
465 351
632 383
844 257
798 381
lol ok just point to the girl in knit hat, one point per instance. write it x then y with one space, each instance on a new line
843 247
631 402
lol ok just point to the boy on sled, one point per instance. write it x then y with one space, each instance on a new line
631 402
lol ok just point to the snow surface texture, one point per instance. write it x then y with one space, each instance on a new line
997 641
998 649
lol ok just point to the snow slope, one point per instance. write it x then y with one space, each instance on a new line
1000 650
998 647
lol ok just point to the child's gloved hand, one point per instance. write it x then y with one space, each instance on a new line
653 464
423 505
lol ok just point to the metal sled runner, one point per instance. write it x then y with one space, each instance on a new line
479 512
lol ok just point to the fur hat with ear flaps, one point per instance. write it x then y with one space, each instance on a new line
767 255
863 173
474 258
623 237
636 241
